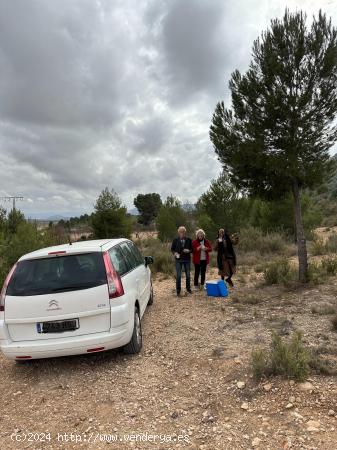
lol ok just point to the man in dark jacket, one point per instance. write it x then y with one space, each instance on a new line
182 248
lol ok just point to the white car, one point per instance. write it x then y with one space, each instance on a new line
76 298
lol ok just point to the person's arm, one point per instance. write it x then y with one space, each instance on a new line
195 247
208 246
188 246
174 246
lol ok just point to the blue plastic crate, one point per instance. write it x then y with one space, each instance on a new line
216 288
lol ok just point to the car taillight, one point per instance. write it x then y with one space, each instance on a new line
4 288
115 286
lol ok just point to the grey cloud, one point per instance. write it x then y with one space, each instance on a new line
117 93
193 45
148 135
60 71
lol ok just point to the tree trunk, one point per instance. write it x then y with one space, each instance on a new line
300 236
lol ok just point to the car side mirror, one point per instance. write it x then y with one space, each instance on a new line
148 260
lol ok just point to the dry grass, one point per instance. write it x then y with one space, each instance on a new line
323 245
334 323
320 271
323 308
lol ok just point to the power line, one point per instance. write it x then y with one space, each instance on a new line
12 198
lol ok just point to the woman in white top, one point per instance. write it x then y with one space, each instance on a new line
201 249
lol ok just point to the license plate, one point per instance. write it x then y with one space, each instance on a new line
58 326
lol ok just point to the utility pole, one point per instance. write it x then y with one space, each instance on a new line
12 198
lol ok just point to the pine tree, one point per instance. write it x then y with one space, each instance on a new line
277 136
110 219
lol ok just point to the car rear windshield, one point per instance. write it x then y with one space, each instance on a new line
57 274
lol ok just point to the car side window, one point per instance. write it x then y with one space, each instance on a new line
118 260
129 255
136 252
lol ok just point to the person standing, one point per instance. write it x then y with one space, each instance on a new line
226 258
182 248
201 249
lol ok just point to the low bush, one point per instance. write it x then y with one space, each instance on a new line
318 272
26 238
329 265
323 309
251 299
163 260
289 359
253 239
317 246
260 363
323 365
247 259
331 243
279 271
321 247
163 264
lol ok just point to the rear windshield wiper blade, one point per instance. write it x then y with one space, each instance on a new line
73 287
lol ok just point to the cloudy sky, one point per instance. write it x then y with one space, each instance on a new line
118 93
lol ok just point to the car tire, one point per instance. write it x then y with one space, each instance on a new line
150 302
136 342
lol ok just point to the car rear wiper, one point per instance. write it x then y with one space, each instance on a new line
73 287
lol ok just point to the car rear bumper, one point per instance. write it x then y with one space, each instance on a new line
50 348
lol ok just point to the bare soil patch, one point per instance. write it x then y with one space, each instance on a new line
192 378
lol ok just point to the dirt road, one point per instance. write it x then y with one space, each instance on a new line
191 382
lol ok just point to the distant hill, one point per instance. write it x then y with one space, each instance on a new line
57 217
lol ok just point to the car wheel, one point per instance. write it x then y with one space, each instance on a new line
135 345
150 302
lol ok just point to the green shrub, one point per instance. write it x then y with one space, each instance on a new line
260 363
289 359
279 272
24 239
163 263
318 272
161 253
